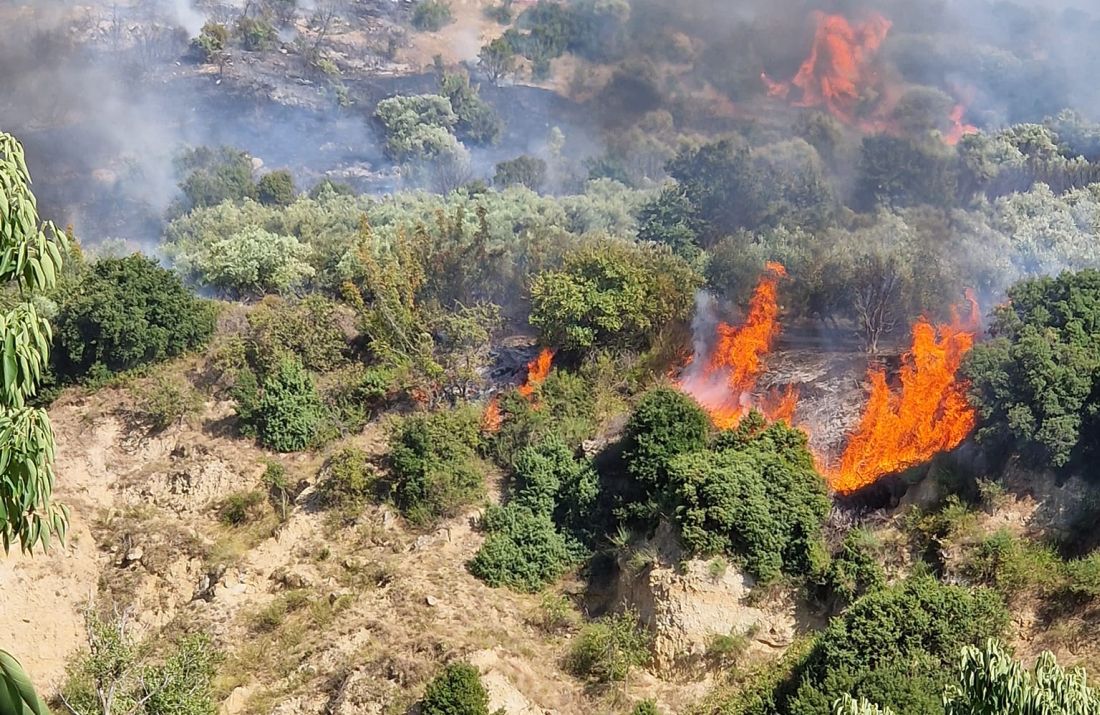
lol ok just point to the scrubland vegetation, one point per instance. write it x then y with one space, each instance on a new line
315 316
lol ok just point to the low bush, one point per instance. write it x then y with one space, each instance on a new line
434 468
347 478
855 569
523 550
241 508
432 15
645 707
607 649
276 188
309 329
284 412
456 691
164 401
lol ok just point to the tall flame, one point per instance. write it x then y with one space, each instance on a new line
537 371
928 414
839 67
723 384
959 128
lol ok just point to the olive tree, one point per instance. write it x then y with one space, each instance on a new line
30 261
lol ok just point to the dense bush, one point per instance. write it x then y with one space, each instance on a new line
240 508
211 176
476 121
125 313
607 649
523 550
434 469
418 127
551 481
431 15
1037 383
248 263
612 294
347 478
210 42
855 570
897 647
276 188
525 170
284 410
755 496
308 328
255 33
564 409
163 401
456 691
664 425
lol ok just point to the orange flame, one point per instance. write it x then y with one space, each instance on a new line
537 371
723 385
958 129
928 414
839 67
491 418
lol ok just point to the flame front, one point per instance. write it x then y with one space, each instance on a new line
723 384
928 414
537 371
959 128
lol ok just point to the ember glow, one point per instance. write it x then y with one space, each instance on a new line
927 414
724 380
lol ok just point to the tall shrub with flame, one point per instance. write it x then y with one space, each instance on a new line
537 372
927 414
723 381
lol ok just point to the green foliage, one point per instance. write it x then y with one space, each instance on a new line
308 329
419 127
456 691
164 401
847 705
279 492
990 682
497 59
434 470
211 176
612 294
240 508
523 550
664 425
551 481
126 313
287 410
476 121
756 497
211 42
895 647
607 649
855 571
116 677
564 409
255 34
30 264
897 171
276 188
347 478
17 694
251 262
645 707
432 15
525 170
1037 383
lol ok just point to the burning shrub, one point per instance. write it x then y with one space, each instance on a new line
125 313
612 294
434 469
564 409
523 550
1036 383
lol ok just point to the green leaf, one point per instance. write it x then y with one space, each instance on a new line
17 694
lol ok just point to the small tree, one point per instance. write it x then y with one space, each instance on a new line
289 408
432 15
276 188
497 60
456 691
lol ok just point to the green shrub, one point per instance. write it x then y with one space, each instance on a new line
210 42
126 313
163 401
213 175
248 263
418 127
348 477
523 550
240 508
456 691
276 188
255 33
279 491
308 328
724 649
645 707
897 646
289 409
1013 565
664 425
477 122
525 170
612 294
434 469
855 570
605 651
351 394
563 408
432 15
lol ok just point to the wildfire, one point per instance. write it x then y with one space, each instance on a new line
928 414
537 371
723 383
958 128
840 65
